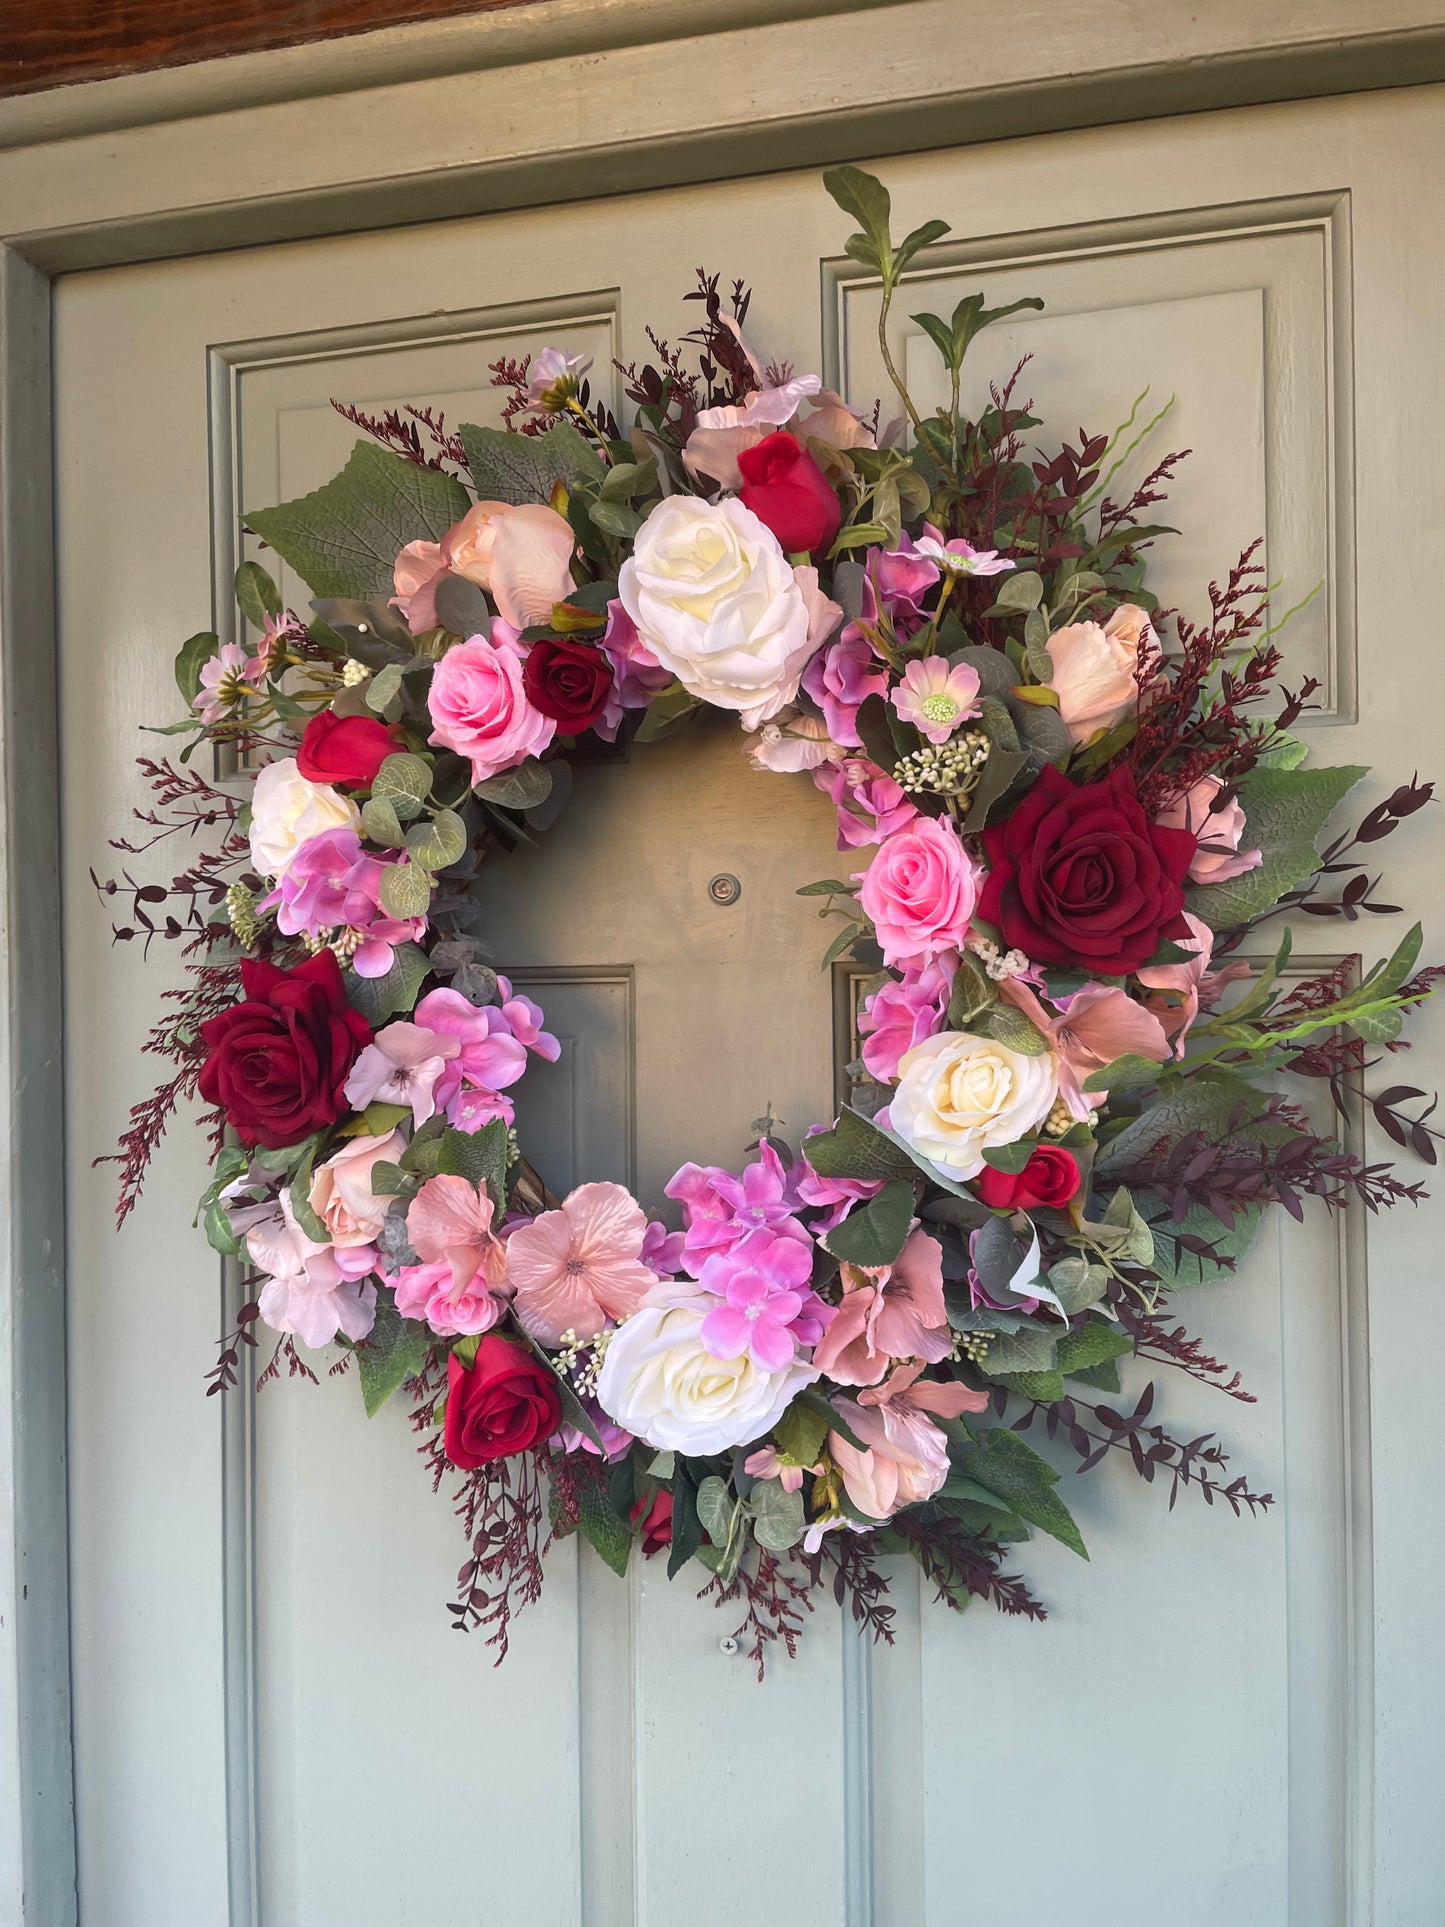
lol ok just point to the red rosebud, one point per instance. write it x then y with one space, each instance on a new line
345 750
506 1402
656 1528
568 681
277 1062
1081 877
1051 1177
785 488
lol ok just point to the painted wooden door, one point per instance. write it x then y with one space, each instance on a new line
1222 1720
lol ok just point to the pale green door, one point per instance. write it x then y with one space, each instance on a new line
1222 1721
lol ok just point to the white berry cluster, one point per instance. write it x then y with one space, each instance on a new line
948 769
999 964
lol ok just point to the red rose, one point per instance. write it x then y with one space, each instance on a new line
277 1062
656 1528
347 750
1082 877
785 488
568 681
1051 1176
506 1402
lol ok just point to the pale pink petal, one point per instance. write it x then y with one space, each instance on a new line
530 565
551 1297
446 1213
947 1401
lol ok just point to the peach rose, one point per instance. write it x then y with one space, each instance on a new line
341 1194
1094 670
1219 856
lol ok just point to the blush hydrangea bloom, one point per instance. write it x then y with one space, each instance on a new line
870 804
315 1291
936 697
460 1284
580 1267
401 1066
768 1307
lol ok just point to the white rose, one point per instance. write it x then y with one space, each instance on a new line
959 1095
714 599
660 1382
341 1193
1093 674
287 811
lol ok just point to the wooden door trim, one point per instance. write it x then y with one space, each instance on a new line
285 156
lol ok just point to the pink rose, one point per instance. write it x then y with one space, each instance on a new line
521 556
479 709
1094 670
920 891
1218 856
341 1193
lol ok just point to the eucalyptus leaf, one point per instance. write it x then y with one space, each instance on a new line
522 788
405 890
461 607
438 843
777 1515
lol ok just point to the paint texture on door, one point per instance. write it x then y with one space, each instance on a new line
274 1722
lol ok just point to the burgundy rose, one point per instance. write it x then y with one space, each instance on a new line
656 1527
506 1402
1082 877
1051 1177
347 750
785 488
278 1062
568 681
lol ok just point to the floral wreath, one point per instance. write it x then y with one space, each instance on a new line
1070 1094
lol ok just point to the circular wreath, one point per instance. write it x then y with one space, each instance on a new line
1069 1089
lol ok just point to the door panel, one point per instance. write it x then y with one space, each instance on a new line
1193 1735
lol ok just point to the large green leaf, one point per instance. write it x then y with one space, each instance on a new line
395 1351
378 998
1000 1461
1284 811
343 539
525 468
857 1148
603 1527
873 1234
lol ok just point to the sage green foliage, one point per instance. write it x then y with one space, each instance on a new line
525 468
343 538
873 1234
394 1350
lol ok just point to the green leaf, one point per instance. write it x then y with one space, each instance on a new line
478 1156
1008 1026
1103 1377
380 1118
256 594
1044 1386
1029 1349
857 1148
867 200
715 1508
525 468
193 653
777 1515
1285 811
1081 1350
383 688
300 1185
668 708
971 995
379 821
378 998
827 887
844 941
1019 592
1010 1157
343 539
522 788
873 1234
436 844
394 1351
615 518
602 1526
1123 1074
405 890
914 243
800 1433
1001 1462
390 1180
404 781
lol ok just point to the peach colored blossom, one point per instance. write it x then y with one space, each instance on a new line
341 1193
420 569
904 1455
579 1267
1099 1023
1193 983
1219 856
449 1222
892 1313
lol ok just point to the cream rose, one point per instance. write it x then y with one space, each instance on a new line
341 1193
1094 670
660 1382
287 811
959 1095
714 599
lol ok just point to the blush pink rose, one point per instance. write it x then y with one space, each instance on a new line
920 891
420 569
1094 666
1218 856
480 709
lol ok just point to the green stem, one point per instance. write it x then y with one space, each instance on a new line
893 375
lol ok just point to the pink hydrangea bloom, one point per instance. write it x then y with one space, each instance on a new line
720 1209
479 707
900 1015
768 1307
833 1196
401 1066
870 804
895 1312
616 1443
662 1249
492 1054
935 697
840 678
579 1267
920 891
637 675
332 883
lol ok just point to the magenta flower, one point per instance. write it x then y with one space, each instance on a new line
719 1209
526 1020
768 1305
936 698
662 1249
332 883
836 1196
493 1044
869 803
840 678
900 1015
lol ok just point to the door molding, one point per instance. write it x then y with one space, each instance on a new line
91 176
